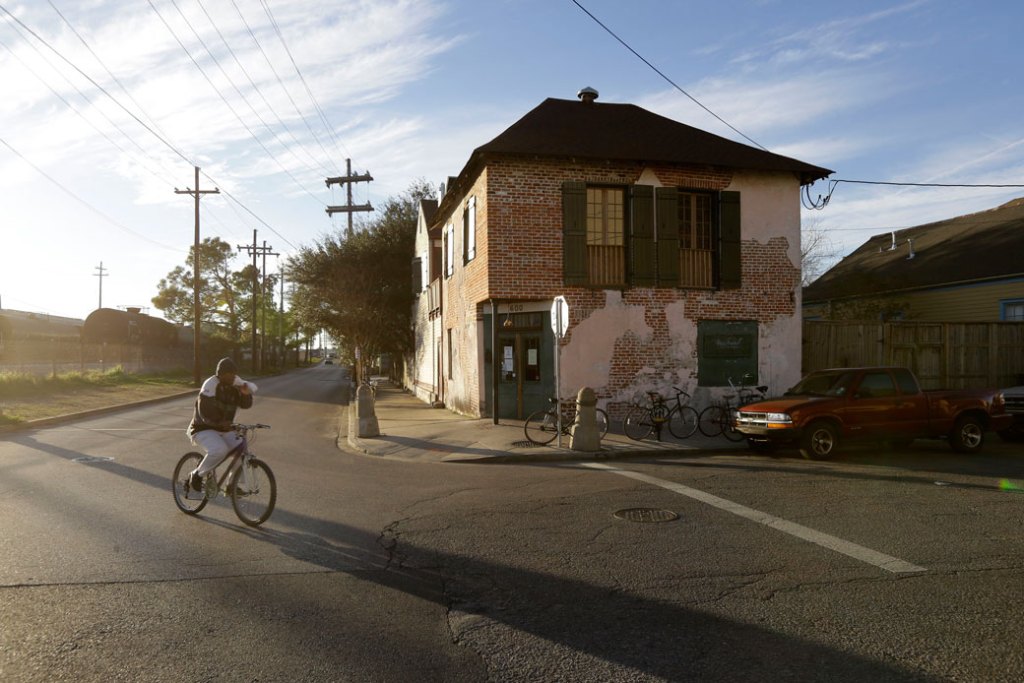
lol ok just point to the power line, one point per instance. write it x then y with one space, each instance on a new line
81 201
320 111
220 94
256 88
669 80
822 201
142 123
280 81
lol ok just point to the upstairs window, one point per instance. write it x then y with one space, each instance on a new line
696 246
606 250
469 230
449 250
643 236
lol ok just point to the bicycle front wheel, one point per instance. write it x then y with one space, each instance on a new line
541 427
729 430
188 501
638 423
710 422
682 423
602 423
253 492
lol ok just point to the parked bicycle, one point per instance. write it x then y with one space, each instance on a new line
717 419
642 420
541 427
247 480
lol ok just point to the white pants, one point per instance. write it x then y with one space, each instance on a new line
217 445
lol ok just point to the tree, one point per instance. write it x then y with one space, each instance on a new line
817 250
219 289
358 287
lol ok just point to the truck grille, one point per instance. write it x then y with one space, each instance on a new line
1014 404
752 419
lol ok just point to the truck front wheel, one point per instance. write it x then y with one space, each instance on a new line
819 441
968 435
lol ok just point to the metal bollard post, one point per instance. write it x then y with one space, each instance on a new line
585 436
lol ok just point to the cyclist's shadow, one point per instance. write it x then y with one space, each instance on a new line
387 570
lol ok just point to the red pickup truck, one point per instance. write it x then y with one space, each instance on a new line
829 407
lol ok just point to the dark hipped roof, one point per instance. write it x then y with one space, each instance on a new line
597 130
979 246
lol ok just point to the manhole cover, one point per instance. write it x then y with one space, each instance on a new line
522 444
646 515
86 459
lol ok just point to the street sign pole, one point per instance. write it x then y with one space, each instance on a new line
559 321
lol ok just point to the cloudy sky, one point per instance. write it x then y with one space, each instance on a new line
108 105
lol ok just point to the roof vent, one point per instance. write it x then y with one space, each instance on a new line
587 95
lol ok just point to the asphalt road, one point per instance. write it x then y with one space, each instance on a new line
878 565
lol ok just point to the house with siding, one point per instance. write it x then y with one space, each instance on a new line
963 269
677 251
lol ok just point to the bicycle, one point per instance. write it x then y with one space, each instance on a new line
642 420
717 418
249 482
541 427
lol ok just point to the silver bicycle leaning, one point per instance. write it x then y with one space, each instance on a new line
541 427
246 480
680 418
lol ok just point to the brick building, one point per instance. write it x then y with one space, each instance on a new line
678 253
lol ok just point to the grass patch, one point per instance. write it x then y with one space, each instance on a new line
25 397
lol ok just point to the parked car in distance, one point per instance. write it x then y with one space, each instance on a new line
1014 397
829 407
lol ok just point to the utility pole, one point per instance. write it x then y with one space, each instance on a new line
347 181
197 309
263 301
254 251
101 274
280 322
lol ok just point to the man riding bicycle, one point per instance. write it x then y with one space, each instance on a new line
219 398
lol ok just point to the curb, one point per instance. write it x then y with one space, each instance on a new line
67 417
366 446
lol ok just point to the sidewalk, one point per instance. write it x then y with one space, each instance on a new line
412 430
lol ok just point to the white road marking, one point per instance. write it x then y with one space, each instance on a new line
857 552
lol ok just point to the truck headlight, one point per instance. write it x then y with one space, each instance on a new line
779 421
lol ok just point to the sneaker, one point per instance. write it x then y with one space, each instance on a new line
195 482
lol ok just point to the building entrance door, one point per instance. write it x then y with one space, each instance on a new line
521 389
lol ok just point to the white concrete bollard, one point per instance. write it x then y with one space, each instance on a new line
363 422
584 436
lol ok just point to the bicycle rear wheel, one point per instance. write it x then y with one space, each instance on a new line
602 422
188 501
638 423
541 427
253 492
710 422
682 422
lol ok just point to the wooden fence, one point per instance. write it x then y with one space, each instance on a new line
942 355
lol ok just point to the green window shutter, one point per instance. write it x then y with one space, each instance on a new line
668 236
574 233
730 268
643 257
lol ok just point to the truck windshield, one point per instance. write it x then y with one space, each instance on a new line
826 383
